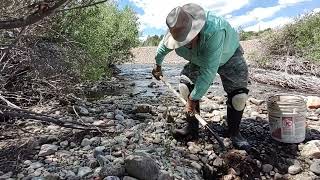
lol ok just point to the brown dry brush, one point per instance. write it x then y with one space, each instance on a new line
33 70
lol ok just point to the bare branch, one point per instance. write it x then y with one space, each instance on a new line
32 18
84 6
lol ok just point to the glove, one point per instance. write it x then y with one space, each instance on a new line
192 107
156 72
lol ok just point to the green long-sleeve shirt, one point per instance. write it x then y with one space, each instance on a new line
218 42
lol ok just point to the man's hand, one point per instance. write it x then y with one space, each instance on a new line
156 72
192 107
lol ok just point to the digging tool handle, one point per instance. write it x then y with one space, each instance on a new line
199 118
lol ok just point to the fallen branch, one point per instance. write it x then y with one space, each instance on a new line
9 103
24 114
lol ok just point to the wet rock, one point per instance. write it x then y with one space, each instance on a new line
48 149
267 168
143 108
315 167
86 142
84 171
112 178
112 170
311 149
135 164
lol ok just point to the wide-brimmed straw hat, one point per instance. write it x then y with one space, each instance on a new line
184 24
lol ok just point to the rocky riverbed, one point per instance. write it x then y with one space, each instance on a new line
138 144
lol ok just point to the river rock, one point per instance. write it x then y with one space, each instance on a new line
83 111
35 165
112 178
164 175
129 178
294 169
98 151
142 167
193 148
48 149
84 171
311 149
143 108
196 165
86 142
119 117
209 107
112 170
315 167
267 168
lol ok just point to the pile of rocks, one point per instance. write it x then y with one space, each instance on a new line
140 146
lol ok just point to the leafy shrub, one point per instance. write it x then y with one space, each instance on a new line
105 33
300 39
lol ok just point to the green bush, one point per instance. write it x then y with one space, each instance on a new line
152 40
248 35
105 33
301 39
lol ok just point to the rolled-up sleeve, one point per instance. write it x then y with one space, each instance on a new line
162 51
212 55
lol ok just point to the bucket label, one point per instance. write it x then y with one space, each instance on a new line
287 126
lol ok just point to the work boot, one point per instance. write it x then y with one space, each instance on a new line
191 128
233 120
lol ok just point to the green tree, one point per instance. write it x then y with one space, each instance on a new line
105 33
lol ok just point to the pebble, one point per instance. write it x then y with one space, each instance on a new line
84 171
196 165
35 165
267 168
193 148
64 143
86 142
294 169
119 117
48 149
111 178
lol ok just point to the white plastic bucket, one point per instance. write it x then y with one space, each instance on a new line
287 118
